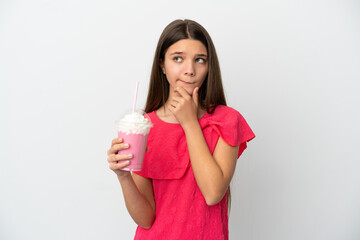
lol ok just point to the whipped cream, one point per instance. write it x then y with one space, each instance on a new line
134 123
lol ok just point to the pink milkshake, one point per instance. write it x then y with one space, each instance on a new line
134 129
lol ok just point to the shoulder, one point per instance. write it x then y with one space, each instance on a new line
222 111
223 108
151 116
231 126
229 119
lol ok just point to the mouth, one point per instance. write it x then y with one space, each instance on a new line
185 82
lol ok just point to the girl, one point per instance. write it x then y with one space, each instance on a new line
182 190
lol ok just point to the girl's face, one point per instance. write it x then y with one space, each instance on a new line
186 64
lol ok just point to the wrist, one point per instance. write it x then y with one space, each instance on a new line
124 177
190 126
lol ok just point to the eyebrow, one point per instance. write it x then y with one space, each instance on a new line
175 53
179 53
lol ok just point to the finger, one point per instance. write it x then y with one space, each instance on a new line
119 157
118 165
116 140
113 142
173 105
177 99
183 92
176 102
171 108
122 164
112 158
195 96
177 93
126 156
117 147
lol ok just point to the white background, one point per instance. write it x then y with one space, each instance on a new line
68 70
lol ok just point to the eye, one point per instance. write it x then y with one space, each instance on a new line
200 60
177 59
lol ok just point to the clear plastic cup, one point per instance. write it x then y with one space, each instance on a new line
134 129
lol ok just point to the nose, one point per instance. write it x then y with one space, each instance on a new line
189 68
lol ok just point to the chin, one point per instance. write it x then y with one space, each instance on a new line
189 90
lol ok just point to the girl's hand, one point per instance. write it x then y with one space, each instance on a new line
184 106
117 160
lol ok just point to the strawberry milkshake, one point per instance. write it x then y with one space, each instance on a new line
134 129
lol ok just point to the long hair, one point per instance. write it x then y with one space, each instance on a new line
211 92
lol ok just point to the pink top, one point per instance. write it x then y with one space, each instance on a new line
181 210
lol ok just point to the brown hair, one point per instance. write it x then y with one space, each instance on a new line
211 92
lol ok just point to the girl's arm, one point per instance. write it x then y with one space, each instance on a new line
139 199
137 191
213 173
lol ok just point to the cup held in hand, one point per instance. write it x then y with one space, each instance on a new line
134 128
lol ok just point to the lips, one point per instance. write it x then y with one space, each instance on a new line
185 82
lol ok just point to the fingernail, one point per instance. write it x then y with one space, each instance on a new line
126 145
120 139
130 155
